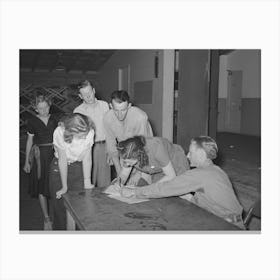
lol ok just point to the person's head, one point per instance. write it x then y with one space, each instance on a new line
77 126
201 150
120 104
87 92
41 105
132 151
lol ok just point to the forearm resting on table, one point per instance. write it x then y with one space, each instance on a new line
175 187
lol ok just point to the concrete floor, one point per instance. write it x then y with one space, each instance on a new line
239 156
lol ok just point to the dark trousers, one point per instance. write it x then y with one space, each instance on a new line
75 181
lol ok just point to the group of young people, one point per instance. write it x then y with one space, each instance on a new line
77 151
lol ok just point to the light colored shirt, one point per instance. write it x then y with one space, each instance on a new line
135 123
95 112
212 187
75 150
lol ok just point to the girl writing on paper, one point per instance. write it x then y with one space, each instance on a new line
146 160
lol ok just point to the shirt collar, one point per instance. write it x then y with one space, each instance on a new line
91 105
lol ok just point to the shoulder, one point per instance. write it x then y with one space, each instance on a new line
109 115
215 168
137 112
90 134
154 145
103 106
32 123
103 103
58 132
79 108
32 119
54 118
154 141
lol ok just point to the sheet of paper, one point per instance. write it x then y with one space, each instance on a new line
129 200
113 191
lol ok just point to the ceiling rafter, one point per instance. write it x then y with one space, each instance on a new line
35 61
76 60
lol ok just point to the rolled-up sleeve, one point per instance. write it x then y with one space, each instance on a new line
143 127
89 139
30 128
58 139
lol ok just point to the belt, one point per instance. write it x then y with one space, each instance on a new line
44 144
100 142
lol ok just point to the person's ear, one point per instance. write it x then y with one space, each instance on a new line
202 155
80 96
111 106
129 105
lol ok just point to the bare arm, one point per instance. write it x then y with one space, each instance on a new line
29 144
63 170
87 163
117 164
111 146
144 128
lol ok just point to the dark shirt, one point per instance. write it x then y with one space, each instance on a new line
42 133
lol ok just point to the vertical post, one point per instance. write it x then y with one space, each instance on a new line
168 94
213 93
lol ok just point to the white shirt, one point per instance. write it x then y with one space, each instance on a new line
74 150
96 112
135 123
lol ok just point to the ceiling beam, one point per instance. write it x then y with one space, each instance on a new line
55 61
76 57
35 60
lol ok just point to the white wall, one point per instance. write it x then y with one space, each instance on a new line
223 77
248 61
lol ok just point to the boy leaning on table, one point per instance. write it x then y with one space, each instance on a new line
211 186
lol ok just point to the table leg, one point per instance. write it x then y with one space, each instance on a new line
70 223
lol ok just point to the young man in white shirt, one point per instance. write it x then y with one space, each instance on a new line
122 122
96 109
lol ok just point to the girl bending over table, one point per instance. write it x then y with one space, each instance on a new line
146 160
71 167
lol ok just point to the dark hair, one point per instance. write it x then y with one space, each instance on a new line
120 96
40 98
208 144
134 148
75 123
84 83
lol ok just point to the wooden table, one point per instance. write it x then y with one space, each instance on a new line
92 210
